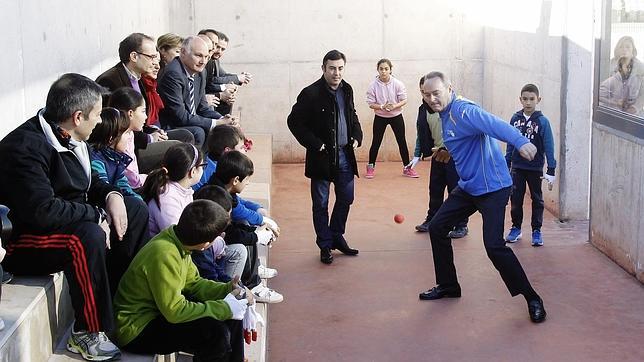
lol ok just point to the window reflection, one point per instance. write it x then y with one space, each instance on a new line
623 86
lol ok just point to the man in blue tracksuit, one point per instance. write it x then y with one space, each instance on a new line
470 135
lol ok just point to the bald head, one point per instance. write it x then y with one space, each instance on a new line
194 54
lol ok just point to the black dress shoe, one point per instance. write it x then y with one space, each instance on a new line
536 310
342 246
325 256
439 292
424 227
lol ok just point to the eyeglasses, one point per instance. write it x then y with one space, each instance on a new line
151 57
202 165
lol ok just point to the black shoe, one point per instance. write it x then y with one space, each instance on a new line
458 232
325 256
536 310
439 292
424 227
342 246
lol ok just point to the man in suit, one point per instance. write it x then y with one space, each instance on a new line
139 56
324 120
219 83
183 93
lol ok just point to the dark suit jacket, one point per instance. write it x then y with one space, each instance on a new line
314 122
217 76
114 78
173 89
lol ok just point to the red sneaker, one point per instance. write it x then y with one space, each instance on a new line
410 172
371 171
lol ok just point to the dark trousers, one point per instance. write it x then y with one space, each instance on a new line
441 176
207 338
398 126
199 133
122 252
519 180
343 185
459 205
78 250
250 276
150 158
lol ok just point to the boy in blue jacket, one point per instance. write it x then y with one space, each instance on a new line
535 127
470 135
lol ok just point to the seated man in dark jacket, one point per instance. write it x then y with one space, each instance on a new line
60 210
182 89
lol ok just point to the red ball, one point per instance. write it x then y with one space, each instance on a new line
399 218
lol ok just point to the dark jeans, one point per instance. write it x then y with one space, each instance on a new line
250 276
207 338
78 250
198 132
398 126
442 175
343 185
460 204
519 180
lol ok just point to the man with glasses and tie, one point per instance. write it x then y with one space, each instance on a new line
181 87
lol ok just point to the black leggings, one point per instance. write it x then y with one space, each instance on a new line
398 126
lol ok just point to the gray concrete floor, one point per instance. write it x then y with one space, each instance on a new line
366 308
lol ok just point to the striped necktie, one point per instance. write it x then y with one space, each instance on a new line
191 90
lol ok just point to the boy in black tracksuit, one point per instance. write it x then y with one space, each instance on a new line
536 127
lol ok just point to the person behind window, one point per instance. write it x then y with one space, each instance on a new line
622 90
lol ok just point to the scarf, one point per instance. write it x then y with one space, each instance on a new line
155 103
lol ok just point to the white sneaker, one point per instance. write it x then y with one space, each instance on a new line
93 346
264 294
266 272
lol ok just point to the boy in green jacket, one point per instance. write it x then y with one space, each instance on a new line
162 304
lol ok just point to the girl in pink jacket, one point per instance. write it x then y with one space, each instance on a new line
386 96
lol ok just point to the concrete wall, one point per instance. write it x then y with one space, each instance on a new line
552 49
617 203
282 44
488 56
45 39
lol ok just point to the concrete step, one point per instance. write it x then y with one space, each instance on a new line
36 312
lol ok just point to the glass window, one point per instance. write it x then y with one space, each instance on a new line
621 75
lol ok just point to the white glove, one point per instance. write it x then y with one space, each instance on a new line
250 319
237 306
414 162
549 178
264 236
271 223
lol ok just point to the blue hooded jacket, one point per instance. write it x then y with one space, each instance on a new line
470 135
537 129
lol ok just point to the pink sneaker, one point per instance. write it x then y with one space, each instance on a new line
371 171
410 172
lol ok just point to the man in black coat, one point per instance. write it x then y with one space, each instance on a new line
182 89
324 121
